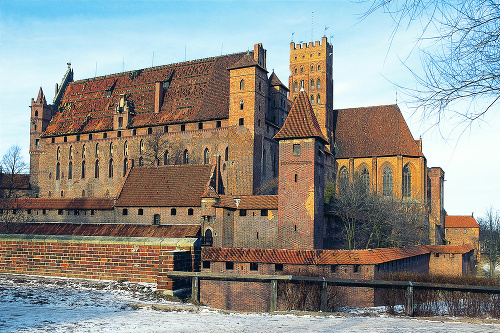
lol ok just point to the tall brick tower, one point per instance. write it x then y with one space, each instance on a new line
248 103
311 69
301 178
41 113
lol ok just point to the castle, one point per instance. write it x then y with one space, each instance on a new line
222 145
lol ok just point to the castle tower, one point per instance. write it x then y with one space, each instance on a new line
41 113
248 102
278 106
435 196
301 178
311 69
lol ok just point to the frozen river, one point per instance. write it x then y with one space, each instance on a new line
67 305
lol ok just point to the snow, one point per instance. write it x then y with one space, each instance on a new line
37 304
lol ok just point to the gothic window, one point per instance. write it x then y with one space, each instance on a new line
125 167
301 84
312 83
83 169
111 149
96 169
70 152
343 179
97 150
141 147
295 86
226 154
295 70
365 178
312 99
208 237
165 157
319 67
36 113
125 148
58 154
58 171
406 181
84 152
110 168
70 170
186 157
318 99
318 84
141 161
312 68
301 70
206 156
242 84
387 182
241 104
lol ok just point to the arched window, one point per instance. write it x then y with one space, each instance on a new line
83 193
312 68
206 157
58 154
343 179
111 149
208 240
295 70
295 86
318 99
387 182
186 157
312 99
96 169
241 104
58 171
312 83
70 152
96 150
301 84
83 169
318 84
141 147
365 178
141 161
301 70
125 167
84 152
165 157
70 170
406 181
242 84
226 154
319 67
110 168
36 113
125 148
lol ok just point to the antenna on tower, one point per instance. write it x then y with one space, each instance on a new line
326 28
292 36
312 26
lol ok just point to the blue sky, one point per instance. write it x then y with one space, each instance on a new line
38 38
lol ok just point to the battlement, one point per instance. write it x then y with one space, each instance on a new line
301 46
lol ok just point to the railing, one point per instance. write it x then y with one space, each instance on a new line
273 279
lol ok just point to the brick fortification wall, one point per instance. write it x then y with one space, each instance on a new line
135 259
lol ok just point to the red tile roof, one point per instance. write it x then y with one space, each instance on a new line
460 222
246 61
373 131
46 203
165 186
115 230
301 121
459 249
249 201
311 257
198 91
275 81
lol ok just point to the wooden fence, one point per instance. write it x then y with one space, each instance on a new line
273 279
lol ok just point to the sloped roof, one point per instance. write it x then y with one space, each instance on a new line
249 201
373 131
458 249
113 230
165 186
311 257
301 121
460 222
246 61
198 91
49 203
275 81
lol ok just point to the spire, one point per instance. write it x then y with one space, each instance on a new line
41 97
301 121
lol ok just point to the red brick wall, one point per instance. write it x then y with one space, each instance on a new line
138 260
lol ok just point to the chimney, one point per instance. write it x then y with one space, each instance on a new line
259 55
158 96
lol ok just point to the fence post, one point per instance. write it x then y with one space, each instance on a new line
323 305
195 288
409 300
274 295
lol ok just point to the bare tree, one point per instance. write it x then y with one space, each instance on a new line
155 146
490 238
12 166
459 43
